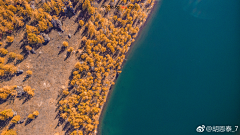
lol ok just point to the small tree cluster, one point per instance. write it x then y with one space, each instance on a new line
7 69
29 90
10 39
9 132
5 114
15 119
7 91
65 43
33 115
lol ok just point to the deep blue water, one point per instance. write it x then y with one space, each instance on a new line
183 72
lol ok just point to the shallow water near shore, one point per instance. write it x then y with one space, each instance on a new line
182 72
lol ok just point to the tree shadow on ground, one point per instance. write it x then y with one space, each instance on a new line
68 55
60 121
4 123
1 102
10 60
27 97
12 126
7 77
8 45
28 121
26 78
62 50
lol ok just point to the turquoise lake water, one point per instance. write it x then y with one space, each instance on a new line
183 72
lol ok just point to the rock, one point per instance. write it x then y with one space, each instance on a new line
65 10
19 72
57 24
32 5
69 36
20 91
70 9
14 113
92 68
22 120
54 22
75 85
32 51
45 37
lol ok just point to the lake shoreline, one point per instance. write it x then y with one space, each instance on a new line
103 108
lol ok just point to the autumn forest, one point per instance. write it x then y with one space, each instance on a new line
90 38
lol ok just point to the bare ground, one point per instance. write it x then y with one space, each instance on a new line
51 72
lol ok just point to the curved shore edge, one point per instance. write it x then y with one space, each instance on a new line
104 107
65 47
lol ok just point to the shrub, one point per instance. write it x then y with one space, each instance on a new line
3 51
10 39
34 39
29 90
65 43
65 92
11 69
81 22
2 60
29 72
35 113
12 55
15 119
77 65
19 57
9 132
31 116
46 7
42 25
70 49
40 39
31 29
5 114
29 48
1 74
